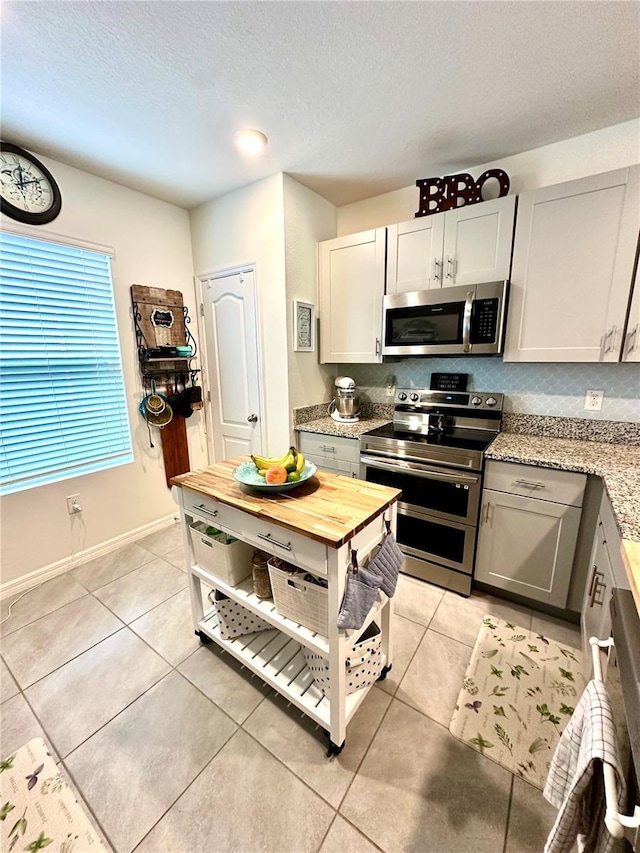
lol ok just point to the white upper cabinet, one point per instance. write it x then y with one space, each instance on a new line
414 254
631 344
573 258
350 290
468 245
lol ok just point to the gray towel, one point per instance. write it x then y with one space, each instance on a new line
575 783
387 563
359 594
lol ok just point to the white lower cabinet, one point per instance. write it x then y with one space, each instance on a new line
528 530
606 572
276 653
333 453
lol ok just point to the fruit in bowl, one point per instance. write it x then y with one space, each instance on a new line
272 468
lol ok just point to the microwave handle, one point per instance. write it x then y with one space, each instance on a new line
466 322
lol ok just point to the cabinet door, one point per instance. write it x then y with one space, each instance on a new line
631 344
527 546
350 290
596 619
414 254
573 260
477 242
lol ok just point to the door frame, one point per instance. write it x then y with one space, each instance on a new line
200 279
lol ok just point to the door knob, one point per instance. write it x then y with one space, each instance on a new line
253 419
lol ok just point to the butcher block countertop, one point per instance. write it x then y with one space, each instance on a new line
329 508
617 464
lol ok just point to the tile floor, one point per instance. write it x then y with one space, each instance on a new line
175 748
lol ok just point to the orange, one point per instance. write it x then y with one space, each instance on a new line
276 474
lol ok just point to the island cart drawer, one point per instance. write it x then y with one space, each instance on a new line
546 484
216 513
283 543
329 446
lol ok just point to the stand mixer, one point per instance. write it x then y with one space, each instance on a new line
345 406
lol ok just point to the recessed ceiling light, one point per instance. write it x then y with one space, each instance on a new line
250 141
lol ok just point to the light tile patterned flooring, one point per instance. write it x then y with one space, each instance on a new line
175 748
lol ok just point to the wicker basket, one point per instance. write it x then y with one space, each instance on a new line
362 665
234 620
221 555
303 601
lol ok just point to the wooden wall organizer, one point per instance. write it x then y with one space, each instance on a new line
161 321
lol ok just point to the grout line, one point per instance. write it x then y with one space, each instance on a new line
324 837
3 636
509 804
86 804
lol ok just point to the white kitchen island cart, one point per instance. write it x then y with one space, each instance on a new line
315 527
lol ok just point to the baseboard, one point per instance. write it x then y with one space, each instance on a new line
26 582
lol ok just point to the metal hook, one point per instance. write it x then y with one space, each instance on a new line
387 524
354 561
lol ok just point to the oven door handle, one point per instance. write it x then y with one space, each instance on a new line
401 464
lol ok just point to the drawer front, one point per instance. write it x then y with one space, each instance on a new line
334 466
211 510
329 446
547 484
283 543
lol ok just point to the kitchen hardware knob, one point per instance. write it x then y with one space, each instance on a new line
475 401
253 419
414 398
402 396
491 401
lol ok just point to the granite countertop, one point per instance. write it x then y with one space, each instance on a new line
327 426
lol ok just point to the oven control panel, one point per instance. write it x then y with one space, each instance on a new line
458 399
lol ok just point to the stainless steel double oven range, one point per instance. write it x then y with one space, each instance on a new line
434 452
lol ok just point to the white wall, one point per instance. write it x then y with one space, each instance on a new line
308 218
247 226
152 244
600 151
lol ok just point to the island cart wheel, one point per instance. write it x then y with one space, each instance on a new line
204 639
332 748
385 670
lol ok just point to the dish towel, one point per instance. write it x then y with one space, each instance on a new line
387 563
359 594
575 783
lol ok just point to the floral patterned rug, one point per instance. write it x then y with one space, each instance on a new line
517 696
38 809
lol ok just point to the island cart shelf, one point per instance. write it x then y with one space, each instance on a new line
315 527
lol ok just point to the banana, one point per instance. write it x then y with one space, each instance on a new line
263 462
300 463
263 472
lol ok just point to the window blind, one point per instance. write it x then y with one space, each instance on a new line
63 409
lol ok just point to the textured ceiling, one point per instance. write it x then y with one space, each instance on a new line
357 98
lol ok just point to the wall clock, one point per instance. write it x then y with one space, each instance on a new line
28 191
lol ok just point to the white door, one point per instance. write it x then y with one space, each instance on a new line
414 254
573 258
233 363
350 290
527 546
477 242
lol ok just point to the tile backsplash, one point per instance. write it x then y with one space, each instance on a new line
533 389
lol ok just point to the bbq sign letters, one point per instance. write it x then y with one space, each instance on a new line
439 194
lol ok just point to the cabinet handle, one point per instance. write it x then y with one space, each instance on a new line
530 484
450 268
609 341
596 585
378 348
269 538
202 508
631 336
436 269
593 578
328 448
485 514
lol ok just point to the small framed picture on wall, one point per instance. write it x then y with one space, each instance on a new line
304 326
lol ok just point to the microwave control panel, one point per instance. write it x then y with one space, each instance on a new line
484 321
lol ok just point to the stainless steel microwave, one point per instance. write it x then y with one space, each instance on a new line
447 321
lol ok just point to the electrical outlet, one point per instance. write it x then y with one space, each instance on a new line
391 390
593 401
73 504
